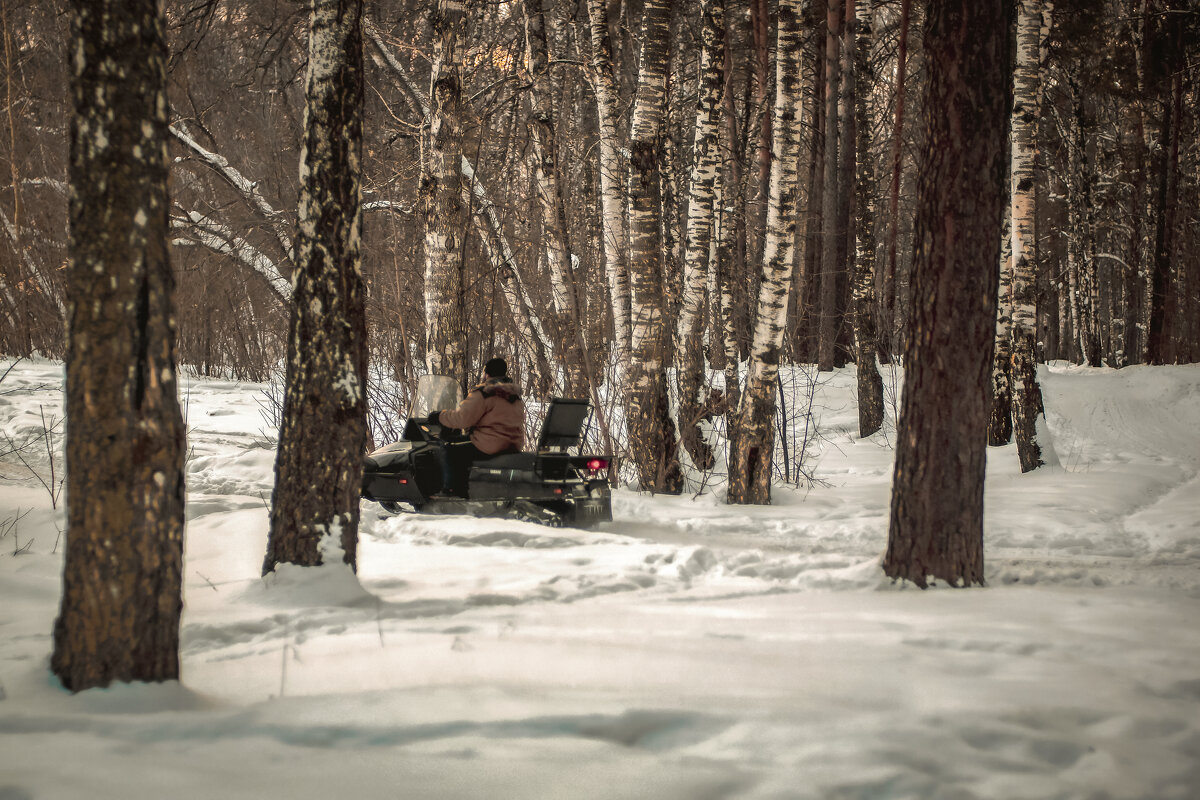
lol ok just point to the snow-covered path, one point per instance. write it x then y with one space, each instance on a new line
688 650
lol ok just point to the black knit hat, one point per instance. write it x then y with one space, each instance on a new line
496 368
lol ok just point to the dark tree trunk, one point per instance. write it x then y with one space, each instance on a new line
887 315
870 383
833 238
122 580
318 468
805 336
936 528
1159 345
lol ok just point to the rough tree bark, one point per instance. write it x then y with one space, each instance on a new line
1081 231
830 203
1000 425
706 162
724 241
652 443
318 467
1032 27
441 190
1169 86
887 314
870 384
544 163
750 465
122 579
936 528
612 179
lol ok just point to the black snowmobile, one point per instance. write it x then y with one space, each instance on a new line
549 486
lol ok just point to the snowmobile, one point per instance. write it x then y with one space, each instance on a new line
549 486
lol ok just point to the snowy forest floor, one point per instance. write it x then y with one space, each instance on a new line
688 649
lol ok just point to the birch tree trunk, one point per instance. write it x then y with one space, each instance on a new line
441 190
652 443
706 162
1000 425
532 333
1033 19
870 383
724 240
544 163
750 466
122 578
612 179
936 526
318 467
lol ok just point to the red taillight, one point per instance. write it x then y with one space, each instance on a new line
596 464
403 480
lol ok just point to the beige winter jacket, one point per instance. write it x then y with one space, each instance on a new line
495 415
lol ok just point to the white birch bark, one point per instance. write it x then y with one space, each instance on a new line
487 223
318 466
1000 423
750 467
1026 392
441 190
706 163
544 164
612 179
651 429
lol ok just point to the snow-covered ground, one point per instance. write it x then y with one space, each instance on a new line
687 650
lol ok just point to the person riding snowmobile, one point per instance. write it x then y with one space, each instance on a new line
494 414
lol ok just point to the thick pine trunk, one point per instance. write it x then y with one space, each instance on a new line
706 163
870 384
936 527
318 467
1032 27
1160 340
442 198
652 443
750 466
122 578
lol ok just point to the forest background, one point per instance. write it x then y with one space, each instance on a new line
540 222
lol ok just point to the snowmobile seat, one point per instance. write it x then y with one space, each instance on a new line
563 426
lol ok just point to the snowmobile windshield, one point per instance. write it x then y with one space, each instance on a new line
436 393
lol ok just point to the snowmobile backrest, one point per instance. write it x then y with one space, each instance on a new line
563 425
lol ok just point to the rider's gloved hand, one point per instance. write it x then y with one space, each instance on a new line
434 417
